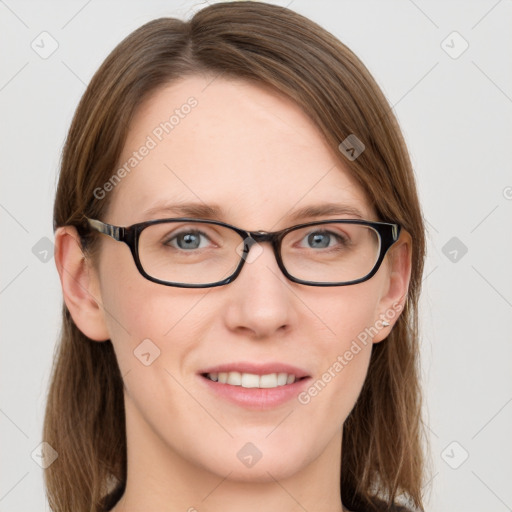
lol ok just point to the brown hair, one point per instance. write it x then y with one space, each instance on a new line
382 456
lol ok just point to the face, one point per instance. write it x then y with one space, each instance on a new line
255 155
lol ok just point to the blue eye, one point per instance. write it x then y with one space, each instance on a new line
322 239
318 239
187 240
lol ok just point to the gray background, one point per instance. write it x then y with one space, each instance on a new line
455 111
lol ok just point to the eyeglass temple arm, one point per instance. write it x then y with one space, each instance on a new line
107 229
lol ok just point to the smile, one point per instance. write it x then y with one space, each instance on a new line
251 380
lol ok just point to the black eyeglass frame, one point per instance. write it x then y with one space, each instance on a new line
388 234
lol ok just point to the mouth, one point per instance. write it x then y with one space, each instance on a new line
253 380
255 386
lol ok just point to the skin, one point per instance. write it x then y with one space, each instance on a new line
265 159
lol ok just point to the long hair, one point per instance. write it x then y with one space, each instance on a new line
382 452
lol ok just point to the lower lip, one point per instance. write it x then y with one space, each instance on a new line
256 398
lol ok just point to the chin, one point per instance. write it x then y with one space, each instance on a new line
260 473
251 464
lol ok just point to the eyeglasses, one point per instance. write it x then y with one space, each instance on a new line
196 253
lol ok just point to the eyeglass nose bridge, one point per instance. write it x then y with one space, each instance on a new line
261 236
253 237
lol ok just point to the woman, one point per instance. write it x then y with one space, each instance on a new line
203 363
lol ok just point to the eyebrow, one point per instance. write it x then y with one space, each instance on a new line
215 212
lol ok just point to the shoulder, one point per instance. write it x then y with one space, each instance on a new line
381 506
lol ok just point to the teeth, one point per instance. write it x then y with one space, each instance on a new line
234 378
250 380
281 379
268 381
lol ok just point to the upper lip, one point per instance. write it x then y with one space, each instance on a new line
257 369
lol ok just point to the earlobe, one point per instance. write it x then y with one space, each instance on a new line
392 302
82 298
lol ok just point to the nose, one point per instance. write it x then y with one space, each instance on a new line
261 300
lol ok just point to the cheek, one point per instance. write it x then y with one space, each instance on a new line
347 313
144 317
343 345
154 330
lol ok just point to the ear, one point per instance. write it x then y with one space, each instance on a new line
80 285
392 303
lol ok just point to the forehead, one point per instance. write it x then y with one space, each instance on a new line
231 143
